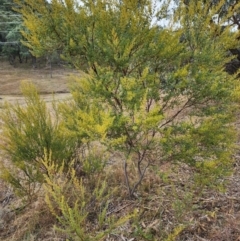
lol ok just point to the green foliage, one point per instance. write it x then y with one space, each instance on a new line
140 233
11 23
182 206
175 233
78 207
94 161
30 132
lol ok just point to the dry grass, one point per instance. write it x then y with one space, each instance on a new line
165 201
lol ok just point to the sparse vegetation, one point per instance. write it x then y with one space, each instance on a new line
145 149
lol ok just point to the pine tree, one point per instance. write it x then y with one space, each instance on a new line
10 25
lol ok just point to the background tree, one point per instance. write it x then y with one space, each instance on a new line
5 11
10 22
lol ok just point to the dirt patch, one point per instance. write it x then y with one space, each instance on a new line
47 80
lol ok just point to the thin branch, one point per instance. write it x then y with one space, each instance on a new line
176 114
149 104
139 181
125 171
126 177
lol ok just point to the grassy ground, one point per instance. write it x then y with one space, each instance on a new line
165 203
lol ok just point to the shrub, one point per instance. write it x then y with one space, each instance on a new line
153 98
30 132
152 93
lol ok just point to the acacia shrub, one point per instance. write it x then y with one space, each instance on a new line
146 94
167 101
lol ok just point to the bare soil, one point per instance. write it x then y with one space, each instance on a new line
48 81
